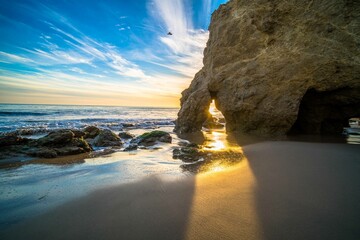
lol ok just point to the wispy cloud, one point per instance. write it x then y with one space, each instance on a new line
186 45
68 61
9 58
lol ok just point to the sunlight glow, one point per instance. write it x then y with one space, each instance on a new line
217 167
212 108
218 141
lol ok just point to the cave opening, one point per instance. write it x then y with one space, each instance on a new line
326 112
216 119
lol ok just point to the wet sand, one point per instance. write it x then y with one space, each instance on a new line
282 190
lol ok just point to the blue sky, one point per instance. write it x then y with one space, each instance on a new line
101 52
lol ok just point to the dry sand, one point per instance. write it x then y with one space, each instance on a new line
283 190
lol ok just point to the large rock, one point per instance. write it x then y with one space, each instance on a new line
107 138
126 135
278 66
57 138
59 143
151 138
12 139
91 131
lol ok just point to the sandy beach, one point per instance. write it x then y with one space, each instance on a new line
282 190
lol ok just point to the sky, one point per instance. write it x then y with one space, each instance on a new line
90 52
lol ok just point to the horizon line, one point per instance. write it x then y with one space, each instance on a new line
88 105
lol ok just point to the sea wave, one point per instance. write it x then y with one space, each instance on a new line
25 113
34 119
36 128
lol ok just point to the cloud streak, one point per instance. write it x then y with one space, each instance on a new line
68 61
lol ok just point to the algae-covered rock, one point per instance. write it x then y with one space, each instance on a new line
150 138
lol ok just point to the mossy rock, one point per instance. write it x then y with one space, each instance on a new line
150 138
152 134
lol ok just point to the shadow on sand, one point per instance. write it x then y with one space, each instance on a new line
130 211
306 190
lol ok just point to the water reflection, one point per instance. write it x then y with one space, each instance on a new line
219 140
217 152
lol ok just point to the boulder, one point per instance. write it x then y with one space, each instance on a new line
151 138
57 143
185 143
187 154
56 138
78 133
126 135
81 143
12 139
69 150
43 153
131 147
107 138
91 132
275 67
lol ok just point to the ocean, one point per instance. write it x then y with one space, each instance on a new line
31 189
35 119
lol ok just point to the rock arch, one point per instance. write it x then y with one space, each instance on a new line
263 58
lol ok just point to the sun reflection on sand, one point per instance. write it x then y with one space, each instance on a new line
217 141
225 196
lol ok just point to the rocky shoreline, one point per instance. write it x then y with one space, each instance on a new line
93 142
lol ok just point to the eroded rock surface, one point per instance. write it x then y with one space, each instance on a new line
126 135
107 138
151 138
263 57
91 132
57 143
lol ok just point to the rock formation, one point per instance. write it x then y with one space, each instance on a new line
107 138
279 66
